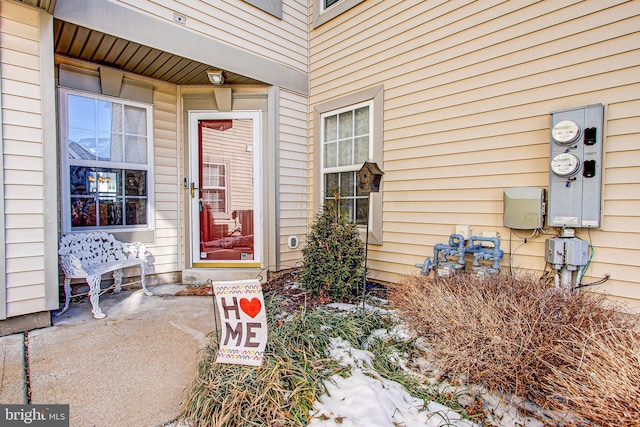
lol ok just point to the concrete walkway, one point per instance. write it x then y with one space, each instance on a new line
131 369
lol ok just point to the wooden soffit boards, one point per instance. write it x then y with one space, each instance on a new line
120 21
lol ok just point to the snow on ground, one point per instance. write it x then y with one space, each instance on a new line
365 399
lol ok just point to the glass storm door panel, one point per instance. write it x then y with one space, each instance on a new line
225 193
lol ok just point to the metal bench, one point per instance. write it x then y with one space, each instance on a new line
90 255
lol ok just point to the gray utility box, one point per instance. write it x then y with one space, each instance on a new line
523 208
554 253
575 169
572 253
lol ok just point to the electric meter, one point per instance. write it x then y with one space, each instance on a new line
565 132
575 167
565 164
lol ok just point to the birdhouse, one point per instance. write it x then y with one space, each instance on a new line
369 177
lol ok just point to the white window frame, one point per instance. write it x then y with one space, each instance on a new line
224 187
353 167
66 163
322 14
374 96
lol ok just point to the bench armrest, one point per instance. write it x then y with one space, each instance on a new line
72 266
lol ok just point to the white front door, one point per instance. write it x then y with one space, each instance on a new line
225 189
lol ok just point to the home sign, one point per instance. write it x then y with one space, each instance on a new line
244 322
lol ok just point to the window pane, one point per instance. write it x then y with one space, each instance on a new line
103 146
328 3
330 155
345 125
345 157
361 150
347 207
106 114
116 149
83 212
82 144
110 211
330 128
215 200
362 121
82 181
347 187
135 183
109 183
136 211
213 175
207 180
330 184
362 211
135 149
82 112
220 176
135 120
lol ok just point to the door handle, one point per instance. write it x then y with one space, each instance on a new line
193 190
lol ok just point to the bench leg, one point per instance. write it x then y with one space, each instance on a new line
94 296
143 268
67 296
117 280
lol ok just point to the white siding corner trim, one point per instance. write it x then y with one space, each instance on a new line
49 132
3 265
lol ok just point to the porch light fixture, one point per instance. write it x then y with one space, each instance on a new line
216 77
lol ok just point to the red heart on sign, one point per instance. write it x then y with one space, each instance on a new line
252 308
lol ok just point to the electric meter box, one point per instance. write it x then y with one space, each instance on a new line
575 167
523 208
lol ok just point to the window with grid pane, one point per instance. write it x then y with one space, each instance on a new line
346 145
105 162
214 181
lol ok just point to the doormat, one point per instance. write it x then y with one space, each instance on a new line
199 291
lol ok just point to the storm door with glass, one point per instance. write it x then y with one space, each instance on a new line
225 189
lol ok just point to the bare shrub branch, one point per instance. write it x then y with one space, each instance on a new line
518 335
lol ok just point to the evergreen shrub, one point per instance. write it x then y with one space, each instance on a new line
333 258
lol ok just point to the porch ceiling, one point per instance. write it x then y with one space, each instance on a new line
74 41
47 5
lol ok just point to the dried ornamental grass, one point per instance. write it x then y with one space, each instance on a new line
498 332
519 336
278 393
283 390
601 380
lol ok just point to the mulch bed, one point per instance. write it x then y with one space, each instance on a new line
281 283
286 286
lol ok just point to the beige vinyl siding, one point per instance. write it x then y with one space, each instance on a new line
241 25
293 176
22 134
468 91
166 249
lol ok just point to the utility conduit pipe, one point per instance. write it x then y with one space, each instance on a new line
457 247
